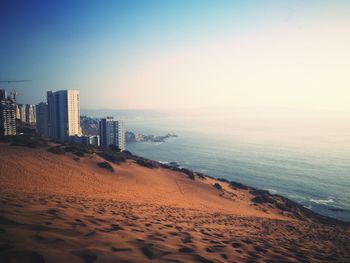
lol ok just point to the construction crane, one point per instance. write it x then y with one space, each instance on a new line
11 81
14 93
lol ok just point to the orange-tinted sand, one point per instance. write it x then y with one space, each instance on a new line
55 208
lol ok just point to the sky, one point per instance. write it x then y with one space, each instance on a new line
153 54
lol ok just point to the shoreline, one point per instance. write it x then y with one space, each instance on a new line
263 197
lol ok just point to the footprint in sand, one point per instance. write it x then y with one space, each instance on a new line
53 211
116 249
201 259
260 249
236 245
151 253
248 241
187 240
92 233
186 250
216 248
115 227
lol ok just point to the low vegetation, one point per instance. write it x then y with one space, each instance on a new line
77 149
223 180
106 165
236 185
189 173
112 156
260 199
57 150
80 154
147 163
217 186
24 140
201 176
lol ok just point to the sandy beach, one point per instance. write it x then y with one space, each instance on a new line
61 208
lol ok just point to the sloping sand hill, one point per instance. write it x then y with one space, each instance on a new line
56 208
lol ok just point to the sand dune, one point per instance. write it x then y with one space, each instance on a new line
55 208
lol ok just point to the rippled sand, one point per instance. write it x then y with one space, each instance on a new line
55 208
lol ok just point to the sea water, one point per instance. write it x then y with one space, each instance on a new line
302 155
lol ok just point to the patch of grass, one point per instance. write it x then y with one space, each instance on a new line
106 165
217 186
57 150
127 152
81 148
189 173
77 149
238 185
223 180
147 163
80 154
258 192
263 199
112 156
201 176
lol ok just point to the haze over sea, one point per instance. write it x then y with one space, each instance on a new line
301 154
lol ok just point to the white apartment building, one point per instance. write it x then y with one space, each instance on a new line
112 133
26 114
64 114
21 112
30 114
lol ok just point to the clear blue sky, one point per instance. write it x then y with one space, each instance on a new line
138 54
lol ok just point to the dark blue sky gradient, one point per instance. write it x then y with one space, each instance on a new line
58 44
81 44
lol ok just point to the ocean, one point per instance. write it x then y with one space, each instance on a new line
303 155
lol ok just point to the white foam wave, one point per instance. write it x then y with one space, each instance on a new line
322 201
272 191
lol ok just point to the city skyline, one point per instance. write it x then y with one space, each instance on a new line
180 54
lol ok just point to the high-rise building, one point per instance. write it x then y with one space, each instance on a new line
26 115
64 114
30 115
42 119
8 117
112 133
21 113
17 113
21 116
2 94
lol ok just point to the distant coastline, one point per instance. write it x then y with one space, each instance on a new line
89 126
